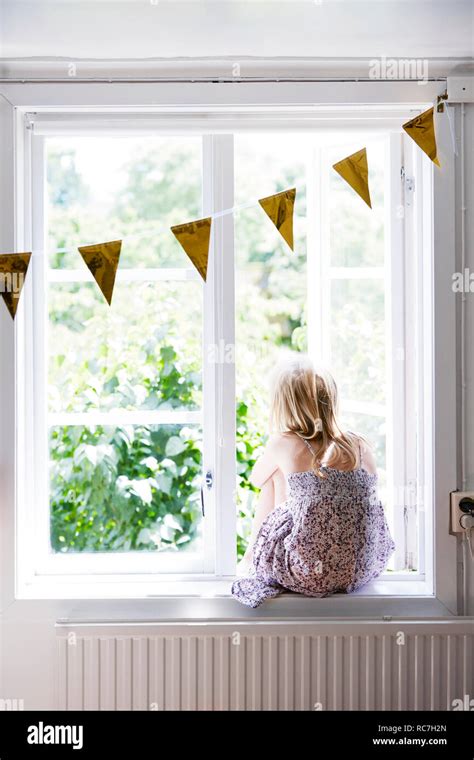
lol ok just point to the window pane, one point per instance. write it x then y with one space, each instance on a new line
357 334
125 488
108 188
356 232
270 290
127 482
142 353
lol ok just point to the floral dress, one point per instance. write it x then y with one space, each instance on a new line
329 536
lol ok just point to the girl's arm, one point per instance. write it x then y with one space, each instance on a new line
265 504
265 468
266 465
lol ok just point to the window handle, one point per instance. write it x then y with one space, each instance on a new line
208 481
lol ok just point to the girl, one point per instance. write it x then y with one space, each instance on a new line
319 527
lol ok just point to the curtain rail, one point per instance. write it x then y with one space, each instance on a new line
208 80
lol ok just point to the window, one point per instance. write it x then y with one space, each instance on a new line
344 296
131 407
122 386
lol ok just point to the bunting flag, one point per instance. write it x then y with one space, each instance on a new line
194 238
102 260
421 130
355 171
13 269
279 208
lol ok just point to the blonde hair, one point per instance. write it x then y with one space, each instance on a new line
305 401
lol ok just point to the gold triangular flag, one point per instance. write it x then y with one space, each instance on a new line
13 269
194 238
102 260
355 170
421 130
279 208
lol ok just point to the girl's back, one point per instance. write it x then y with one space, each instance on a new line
327 532
329 536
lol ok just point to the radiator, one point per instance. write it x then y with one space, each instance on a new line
266 666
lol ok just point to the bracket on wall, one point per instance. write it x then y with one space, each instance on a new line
29 120
460 89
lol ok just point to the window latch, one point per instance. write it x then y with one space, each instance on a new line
30 121
408 186
208 481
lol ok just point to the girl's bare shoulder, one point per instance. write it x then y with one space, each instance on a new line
285 442
285 449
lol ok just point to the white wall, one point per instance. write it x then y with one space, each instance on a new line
469 244
469 303
169 28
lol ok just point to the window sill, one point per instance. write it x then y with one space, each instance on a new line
210 599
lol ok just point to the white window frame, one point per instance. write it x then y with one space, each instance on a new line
217 151
218 526
15 236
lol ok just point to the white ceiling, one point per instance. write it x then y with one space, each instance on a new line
170 28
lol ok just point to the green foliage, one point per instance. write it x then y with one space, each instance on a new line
124 488
133 487
249 442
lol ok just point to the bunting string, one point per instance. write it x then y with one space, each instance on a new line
154 230
102 259
215 215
